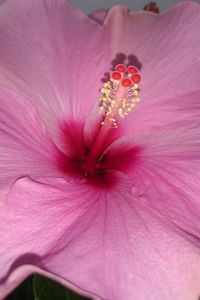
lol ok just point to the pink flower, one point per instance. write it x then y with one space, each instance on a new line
128 227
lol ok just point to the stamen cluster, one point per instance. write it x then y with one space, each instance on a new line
119 93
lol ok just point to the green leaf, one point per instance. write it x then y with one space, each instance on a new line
72 296
47 289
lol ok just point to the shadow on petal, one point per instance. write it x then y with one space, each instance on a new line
28 258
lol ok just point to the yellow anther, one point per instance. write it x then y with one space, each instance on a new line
107 84
137 99
101 109
113 103
132 105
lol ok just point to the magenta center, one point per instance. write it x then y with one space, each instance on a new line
93 162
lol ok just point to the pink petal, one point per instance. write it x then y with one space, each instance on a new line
56 57
99 15
166 47
106 244
164 171
25 146
39 217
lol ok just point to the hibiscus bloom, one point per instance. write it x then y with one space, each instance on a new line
125 225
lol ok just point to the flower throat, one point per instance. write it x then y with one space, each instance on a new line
119 96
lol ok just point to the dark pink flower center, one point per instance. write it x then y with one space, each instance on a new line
93 160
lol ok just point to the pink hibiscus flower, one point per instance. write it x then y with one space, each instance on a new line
124 224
